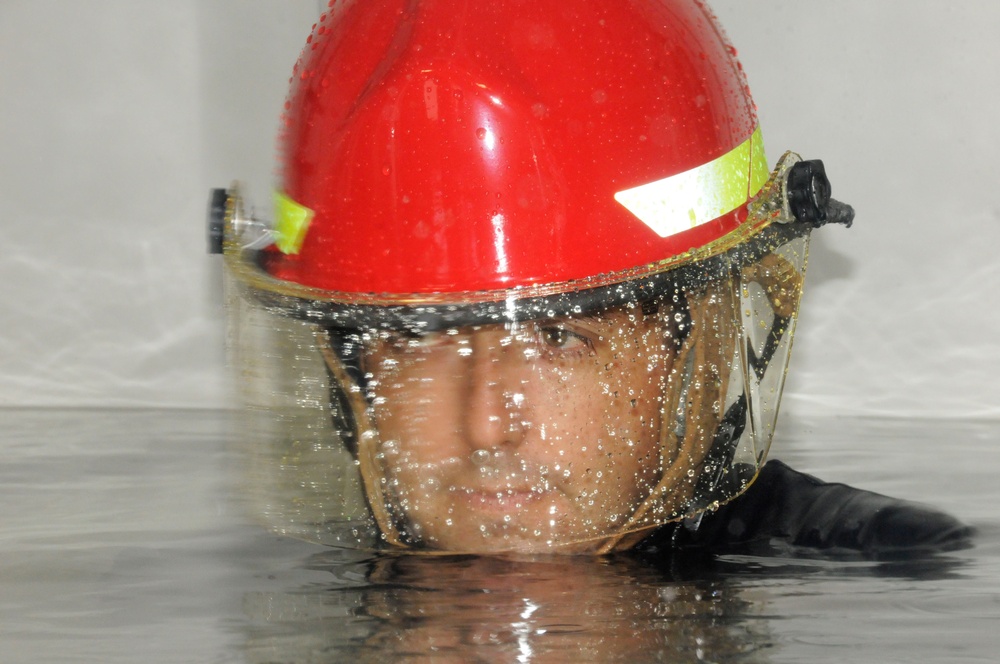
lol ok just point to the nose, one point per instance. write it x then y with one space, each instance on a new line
495 411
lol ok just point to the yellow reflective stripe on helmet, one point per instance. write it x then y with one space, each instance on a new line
759 172
291 221
685 200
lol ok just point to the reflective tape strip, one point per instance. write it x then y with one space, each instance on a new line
291 221
681 202
759 172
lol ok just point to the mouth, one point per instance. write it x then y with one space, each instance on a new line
500 500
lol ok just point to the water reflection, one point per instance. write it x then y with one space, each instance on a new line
487 609
562 609
679 608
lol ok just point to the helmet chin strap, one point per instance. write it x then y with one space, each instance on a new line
687 440
782 284
366 437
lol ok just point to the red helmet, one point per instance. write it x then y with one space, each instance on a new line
450 164
444 155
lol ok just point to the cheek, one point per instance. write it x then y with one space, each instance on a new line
603 418
414 404
564 404
632 401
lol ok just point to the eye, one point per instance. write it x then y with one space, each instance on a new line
559 338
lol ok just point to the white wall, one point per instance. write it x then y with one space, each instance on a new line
117 116
901 313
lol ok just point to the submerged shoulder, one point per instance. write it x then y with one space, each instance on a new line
786 508
824 515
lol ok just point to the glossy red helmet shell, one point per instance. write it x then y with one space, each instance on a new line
460 147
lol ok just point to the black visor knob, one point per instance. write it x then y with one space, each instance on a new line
809 191
216 219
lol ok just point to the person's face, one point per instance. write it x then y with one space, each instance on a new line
529 438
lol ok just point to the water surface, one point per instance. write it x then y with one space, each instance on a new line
123 541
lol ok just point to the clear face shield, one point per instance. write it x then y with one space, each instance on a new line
574 422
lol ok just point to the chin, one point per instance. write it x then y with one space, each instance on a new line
507 540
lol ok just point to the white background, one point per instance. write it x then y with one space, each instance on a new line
117 116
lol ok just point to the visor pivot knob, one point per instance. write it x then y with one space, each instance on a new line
809 191
216 219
